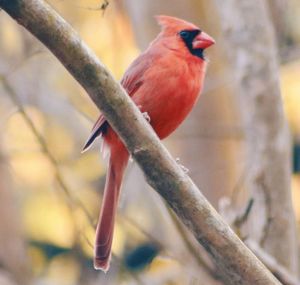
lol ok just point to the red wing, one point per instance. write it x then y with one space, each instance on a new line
134 76
98 128
131 81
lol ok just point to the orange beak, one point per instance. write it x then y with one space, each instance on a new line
203 41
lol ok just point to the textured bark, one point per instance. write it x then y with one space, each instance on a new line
232 257
278 12
250 42
278 270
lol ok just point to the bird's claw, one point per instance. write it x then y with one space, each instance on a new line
145 114
147 117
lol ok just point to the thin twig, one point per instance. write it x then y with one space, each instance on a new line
101 7
240 220
18 65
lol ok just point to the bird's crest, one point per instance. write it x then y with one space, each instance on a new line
174 24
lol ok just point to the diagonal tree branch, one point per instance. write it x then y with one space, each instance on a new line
232 257
278 270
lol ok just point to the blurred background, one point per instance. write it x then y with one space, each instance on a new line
50 193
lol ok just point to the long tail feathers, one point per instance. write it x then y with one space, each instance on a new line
105 227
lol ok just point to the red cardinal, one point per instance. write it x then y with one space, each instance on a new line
164 81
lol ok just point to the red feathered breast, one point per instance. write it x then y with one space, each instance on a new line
169 91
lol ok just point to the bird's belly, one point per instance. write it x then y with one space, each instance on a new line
169 110
169 95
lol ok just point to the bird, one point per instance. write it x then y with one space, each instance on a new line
165 82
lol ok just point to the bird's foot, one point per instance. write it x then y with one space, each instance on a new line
147 117
145 114
185 170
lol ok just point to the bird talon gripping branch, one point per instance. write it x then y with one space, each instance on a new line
166 80
147 117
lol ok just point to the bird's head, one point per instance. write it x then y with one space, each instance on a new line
179 33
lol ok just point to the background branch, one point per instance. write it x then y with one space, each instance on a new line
232 257
255 74
278 270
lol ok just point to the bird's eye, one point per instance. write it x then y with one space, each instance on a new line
184 34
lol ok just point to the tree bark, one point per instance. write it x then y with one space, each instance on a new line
278 12
232 257
250 43
277 269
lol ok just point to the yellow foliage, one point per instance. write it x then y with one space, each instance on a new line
11 40
90 198
59 141
34 169
37 258
47 218
119 240
141 223
18 135
87 234
159 263
296 195
290 85
166 271
89 166
63 270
